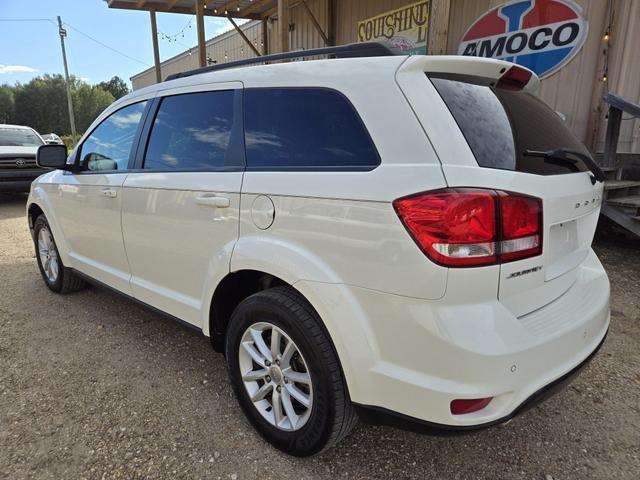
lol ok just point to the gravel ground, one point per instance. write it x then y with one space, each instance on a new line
93 386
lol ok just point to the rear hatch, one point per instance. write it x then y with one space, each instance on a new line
513 136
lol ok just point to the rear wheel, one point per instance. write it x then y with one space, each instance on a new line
286 374
58 278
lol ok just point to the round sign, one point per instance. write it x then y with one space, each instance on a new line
542 35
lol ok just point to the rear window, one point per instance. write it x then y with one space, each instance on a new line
191 132
500 125
305 129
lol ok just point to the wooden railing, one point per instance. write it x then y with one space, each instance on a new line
617 105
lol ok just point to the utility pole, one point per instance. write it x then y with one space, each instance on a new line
72 121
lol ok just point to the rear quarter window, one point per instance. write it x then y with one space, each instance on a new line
500 125
305 129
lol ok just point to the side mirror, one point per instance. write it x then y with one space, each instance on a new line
52 156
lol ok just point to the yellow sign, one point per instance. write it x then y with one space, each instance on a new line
405 28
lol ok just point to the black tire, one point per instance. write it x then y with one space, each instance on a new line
332 416
66 281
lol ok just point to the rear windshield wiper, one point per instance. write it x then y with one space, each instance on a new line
562 154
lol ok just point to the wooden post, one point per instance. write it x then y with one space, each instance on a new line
611 137
156 50
244 37
202 52
438 27
332 11
315 23
265 36
283 26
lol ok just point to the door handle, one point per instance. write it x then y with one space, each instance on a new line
213 201
109 192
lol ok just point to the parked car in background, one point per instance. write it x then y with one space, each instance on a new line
18 147
52 139
397 238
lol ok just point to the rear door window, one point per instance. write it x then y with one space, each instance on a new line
191 132
305 129
500 125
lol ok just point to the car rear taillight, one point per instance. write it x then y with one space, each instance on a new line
462 227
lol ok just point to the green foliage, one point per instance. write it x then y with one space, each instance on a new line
42 103
70 141
116 87
7 103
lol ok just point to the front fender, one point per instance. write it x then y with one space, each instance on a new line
38 196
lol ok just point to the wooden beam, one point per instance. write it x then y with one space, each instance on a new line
202 52
256 5
229 7
156 50
244 37
315 22
438 27
265 36
332 22
611 137
283 26
161 7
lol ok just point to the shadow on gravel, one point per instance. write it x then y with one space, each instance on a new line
9 202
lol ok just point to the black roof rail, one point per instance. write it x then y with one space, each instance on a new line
352 50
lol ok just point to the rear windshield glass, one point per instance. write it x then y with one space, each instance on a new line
501 125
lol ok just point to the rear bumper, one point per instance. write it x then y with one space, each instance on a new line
382 416
413 357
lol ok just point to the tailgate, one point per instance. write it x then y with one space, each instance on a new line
507 139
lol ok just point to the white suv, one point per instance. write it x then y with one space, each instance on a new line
396 238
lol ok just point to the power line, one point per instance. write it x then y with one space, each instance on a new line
105 45
79 31
27 20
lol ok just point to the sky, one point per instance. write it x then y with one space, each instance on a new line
30 44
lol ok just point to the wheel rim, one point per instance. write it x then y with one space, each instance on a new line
48 255
276 377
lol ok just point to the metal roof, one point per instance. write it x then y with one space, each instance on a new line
253 9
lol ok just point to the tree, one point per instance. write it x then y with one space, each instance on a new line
116 86
42 104
88 103
7 103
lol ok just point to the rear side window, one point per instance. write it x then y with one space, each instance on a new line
500 125
305 129
191 132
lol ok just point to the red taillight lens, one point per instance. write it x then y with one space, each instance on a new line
516 78
521 219
470 405
470 227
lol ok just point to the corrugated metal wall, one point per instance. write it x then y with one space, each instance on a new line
624 71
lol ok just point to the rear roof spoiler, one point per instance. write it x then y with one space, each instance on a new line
478 70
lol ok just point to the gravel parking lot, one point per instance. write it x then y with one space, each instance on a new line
93 386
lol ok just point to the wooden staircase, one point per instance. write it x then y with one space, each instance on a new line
622 186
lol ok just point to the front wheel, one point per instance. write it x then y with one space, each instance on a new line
58 278
286 374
